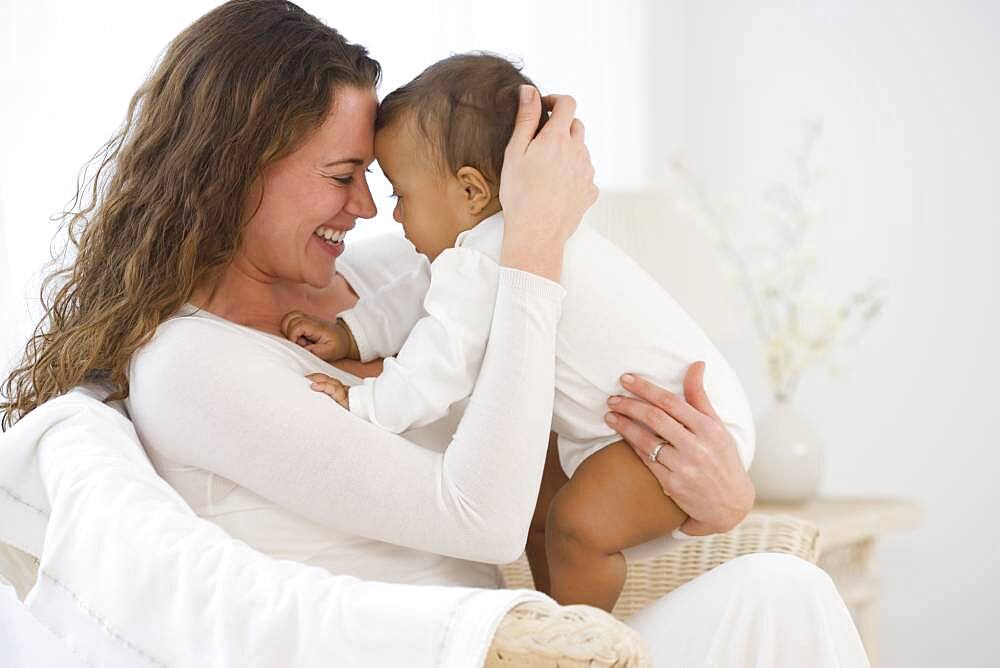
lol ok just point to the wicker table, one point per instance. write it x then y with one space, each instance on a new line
848 530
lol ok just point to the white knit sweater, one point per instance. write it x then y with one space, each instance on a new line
228 419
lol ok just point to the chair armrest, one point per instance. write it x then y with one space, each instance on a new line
542 635
650 579
18 569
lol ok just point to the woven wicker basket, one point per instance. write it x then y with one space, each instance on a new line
545 635
537 634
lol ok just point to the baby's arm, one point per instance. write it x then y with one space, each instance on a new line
440 359
380 321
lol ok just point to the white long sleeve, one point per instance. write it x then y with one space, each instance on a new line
234 401
438 363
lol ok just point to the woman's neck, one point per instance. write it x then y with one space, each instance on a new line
261 302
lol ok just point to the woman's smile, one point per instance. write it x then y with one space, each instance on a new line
331 242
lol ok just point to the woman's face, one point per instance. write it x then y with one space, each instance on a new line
319 187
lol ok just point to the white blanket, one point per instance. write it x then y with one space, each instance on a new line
129 575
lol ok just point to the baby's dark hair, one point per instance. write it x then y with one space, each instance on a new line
465 107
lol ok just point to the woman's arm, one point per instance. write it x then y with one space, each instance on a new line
699 465
207 395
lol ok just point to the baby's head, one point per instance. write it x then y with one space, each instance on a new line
440 141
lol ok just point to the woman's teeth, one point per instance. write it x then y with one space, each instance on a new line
331 235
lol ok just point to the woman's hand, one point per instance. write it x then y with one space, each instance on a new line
698 466
546 184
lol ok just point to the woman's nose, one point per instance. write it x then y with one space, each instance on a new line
362 204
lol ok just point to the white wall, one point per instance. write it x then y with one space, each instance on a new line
7 331
909 98
68 71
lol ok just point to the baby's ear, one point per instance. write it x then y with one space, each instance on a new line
477 189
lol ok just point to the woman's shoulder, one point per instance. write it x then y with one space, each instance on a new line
196 342
196 346
194 328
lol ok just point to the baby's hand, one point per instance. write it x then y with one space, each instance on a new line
330 386
330 341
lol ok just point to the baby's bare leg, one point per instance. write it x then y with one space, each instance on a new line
611 502
553 478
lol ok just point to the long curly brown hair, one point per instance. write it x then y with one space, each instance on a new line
163 213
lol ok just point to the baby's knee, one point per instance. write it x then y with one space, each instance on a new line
571 522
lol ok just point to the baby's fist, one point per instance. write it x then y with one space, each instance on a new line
330 341
329 386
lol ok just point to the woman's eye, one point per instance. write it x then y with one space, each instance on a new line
347 180
395 195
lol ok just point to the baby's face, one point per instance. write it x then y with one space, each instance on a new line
427 204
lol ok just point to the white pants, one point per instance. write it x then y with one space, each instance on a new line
765 610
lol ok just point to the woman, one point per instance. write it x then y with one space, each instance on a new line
256 130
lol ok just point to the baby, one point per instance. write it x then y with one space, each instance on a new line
440 141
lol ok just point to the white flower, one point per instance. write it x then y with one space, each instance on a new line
771 261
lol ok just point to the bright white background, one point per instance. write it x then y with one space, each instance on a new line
908 97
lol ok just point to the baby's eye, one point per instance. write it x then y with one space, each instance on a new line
395 195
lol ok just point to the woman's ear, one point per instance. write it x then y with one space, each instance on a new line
477 190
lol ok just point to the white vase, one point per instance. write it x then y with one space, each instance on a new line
788 461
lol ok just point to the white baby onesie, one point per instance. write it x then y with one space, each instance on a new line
615 319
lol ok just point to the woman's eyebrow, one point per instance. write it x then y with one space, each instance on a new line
353 161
